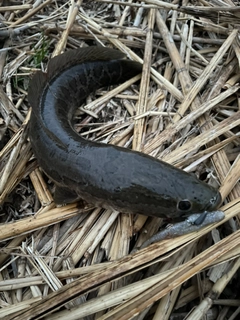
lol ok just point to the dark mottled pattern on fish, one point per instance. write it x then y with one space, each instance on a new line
104 175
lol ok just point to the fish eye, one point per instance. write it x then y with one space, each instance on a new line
184 205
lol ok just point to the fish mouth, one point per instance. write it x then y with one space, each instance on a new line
214 203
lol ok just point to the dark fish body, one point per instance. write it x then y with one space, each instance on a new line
104 175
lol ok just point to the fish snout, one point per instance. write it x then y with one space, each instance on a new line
214 202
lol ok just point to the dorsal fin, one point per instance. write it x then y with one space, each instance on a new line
62 62
72 57
35 89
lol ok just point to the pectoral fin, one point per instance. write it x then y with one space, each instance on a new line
64 195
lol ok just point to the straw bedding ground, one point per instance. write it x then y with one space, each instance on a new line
75 262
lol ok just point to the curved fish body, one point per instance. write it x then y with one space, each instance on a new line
104 175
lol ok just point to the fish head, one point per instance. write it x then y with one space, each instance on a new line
199 197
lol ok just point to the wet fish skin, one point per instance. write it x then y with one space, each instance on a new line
102 174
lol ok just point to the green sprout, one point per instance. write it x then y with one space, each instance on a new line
41 52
